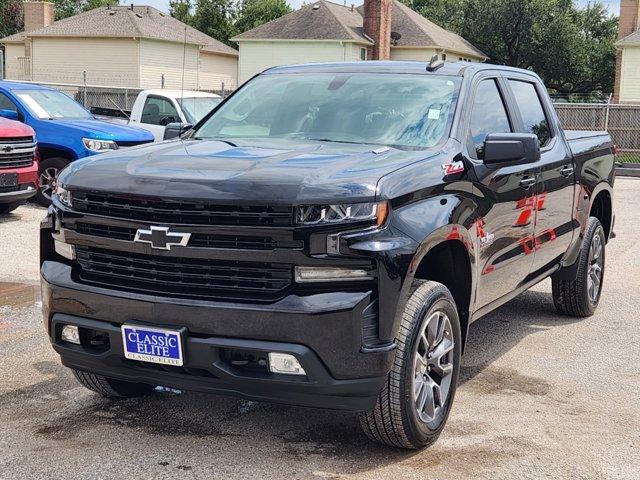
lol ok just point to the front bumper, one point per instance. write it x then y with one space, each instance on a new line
324 331
27 181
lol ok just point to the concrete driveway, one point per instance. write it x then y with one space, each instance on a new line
542 396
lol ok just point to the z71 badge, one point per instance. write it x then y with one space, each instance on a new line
454 167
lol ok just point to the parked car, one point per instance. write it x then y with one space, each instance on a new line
65 130
18 165
153 110
325 237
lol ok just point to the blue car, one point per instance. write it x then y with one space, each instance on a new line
65 130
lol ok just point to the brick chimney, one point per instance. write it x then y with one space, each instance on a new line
377 25
628 23
38 15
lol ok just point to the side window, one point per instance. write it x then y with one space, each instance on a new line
159 111
6 103
488 115
533 116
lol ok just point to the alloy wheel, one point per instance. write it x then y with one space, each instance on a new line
594 275
433 366
48 181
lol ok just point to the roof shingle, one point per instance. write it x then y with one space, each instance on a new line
128 22
324 20
630 40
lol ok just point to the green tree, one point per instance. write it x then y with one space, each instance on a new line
253 13
216 18
570 48
11 17
182 10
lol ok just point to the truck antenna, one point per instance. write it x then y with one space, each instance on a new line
434 64
184 61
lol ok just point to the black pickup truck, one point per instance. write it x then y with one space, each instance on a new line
325 237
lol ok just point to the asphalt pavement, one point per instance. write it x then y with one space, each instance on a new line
541 396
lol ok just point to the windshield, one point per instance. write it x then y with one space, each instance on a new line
413 111
196 108
48 104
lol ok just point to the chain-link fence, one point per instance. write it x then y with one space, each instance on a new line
622 121
118 98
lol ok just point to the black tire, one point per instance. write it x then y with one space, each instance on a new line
6 208
49 168
574 297
109 387
395 420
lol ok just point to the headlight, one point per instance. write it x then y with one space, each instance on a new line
99 145
64 195
342 213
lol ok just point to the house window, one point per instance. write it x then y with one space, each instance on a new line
363 53
444 57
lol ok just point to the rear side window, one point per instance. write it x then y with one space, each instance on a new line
533 116
488 115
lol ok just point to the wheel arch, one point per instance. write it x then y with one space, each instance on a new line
601 207
49 151
450 245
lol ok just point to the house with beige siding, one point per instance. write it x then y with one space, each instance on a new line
135 47
327 32
628 55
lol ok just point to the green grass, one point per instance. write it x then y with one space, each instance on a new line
625 157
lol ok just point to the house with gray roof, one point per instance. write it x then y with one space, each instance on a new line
134 46
627 84
325 32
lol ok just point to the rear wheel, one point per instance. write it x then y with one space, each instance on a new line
580 296
109 387
49 170
414 405
6 208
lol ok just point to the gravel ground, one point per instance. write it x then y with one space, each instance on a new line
542 396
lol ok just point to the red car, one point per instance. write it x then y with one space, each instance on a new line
18 164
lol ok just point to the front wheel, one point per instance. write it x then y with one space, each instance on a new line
110 387
49 170
414 405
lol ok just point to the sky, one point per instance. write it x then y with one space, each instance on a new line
612 5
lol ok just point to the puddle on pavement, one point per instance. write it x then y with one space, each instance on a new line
18 295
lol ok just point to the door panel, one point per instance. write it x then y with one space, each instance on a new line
553 208
505 227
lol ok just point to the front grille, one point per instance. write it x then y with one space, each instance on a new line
183 277
16 152
13 188
199 240
149 209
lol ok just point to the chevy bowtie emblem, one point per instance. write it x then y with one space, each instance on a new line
161 238
7 149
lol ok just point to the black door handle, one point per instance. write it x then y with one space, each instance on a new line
566 171
527 182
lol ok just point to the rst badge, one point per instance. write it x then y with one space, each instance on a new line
453 167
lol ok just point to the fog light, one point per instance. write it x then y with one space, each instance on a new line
285 363
65 250
71 334
330 274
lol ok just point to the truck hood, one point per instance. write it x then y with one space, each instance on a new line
101 130
9 128
258 171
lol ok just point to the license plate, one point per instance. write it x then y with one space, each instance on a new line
8 179
154 345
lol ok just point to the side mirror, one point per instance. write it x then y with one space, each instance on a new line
176 129
511 149
9 114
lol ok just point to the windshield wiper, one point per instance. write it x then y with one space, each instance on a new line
330 140
215 139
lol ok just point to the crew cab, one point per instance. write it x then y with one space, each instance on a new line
18 165
65 130
153 110
325 237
